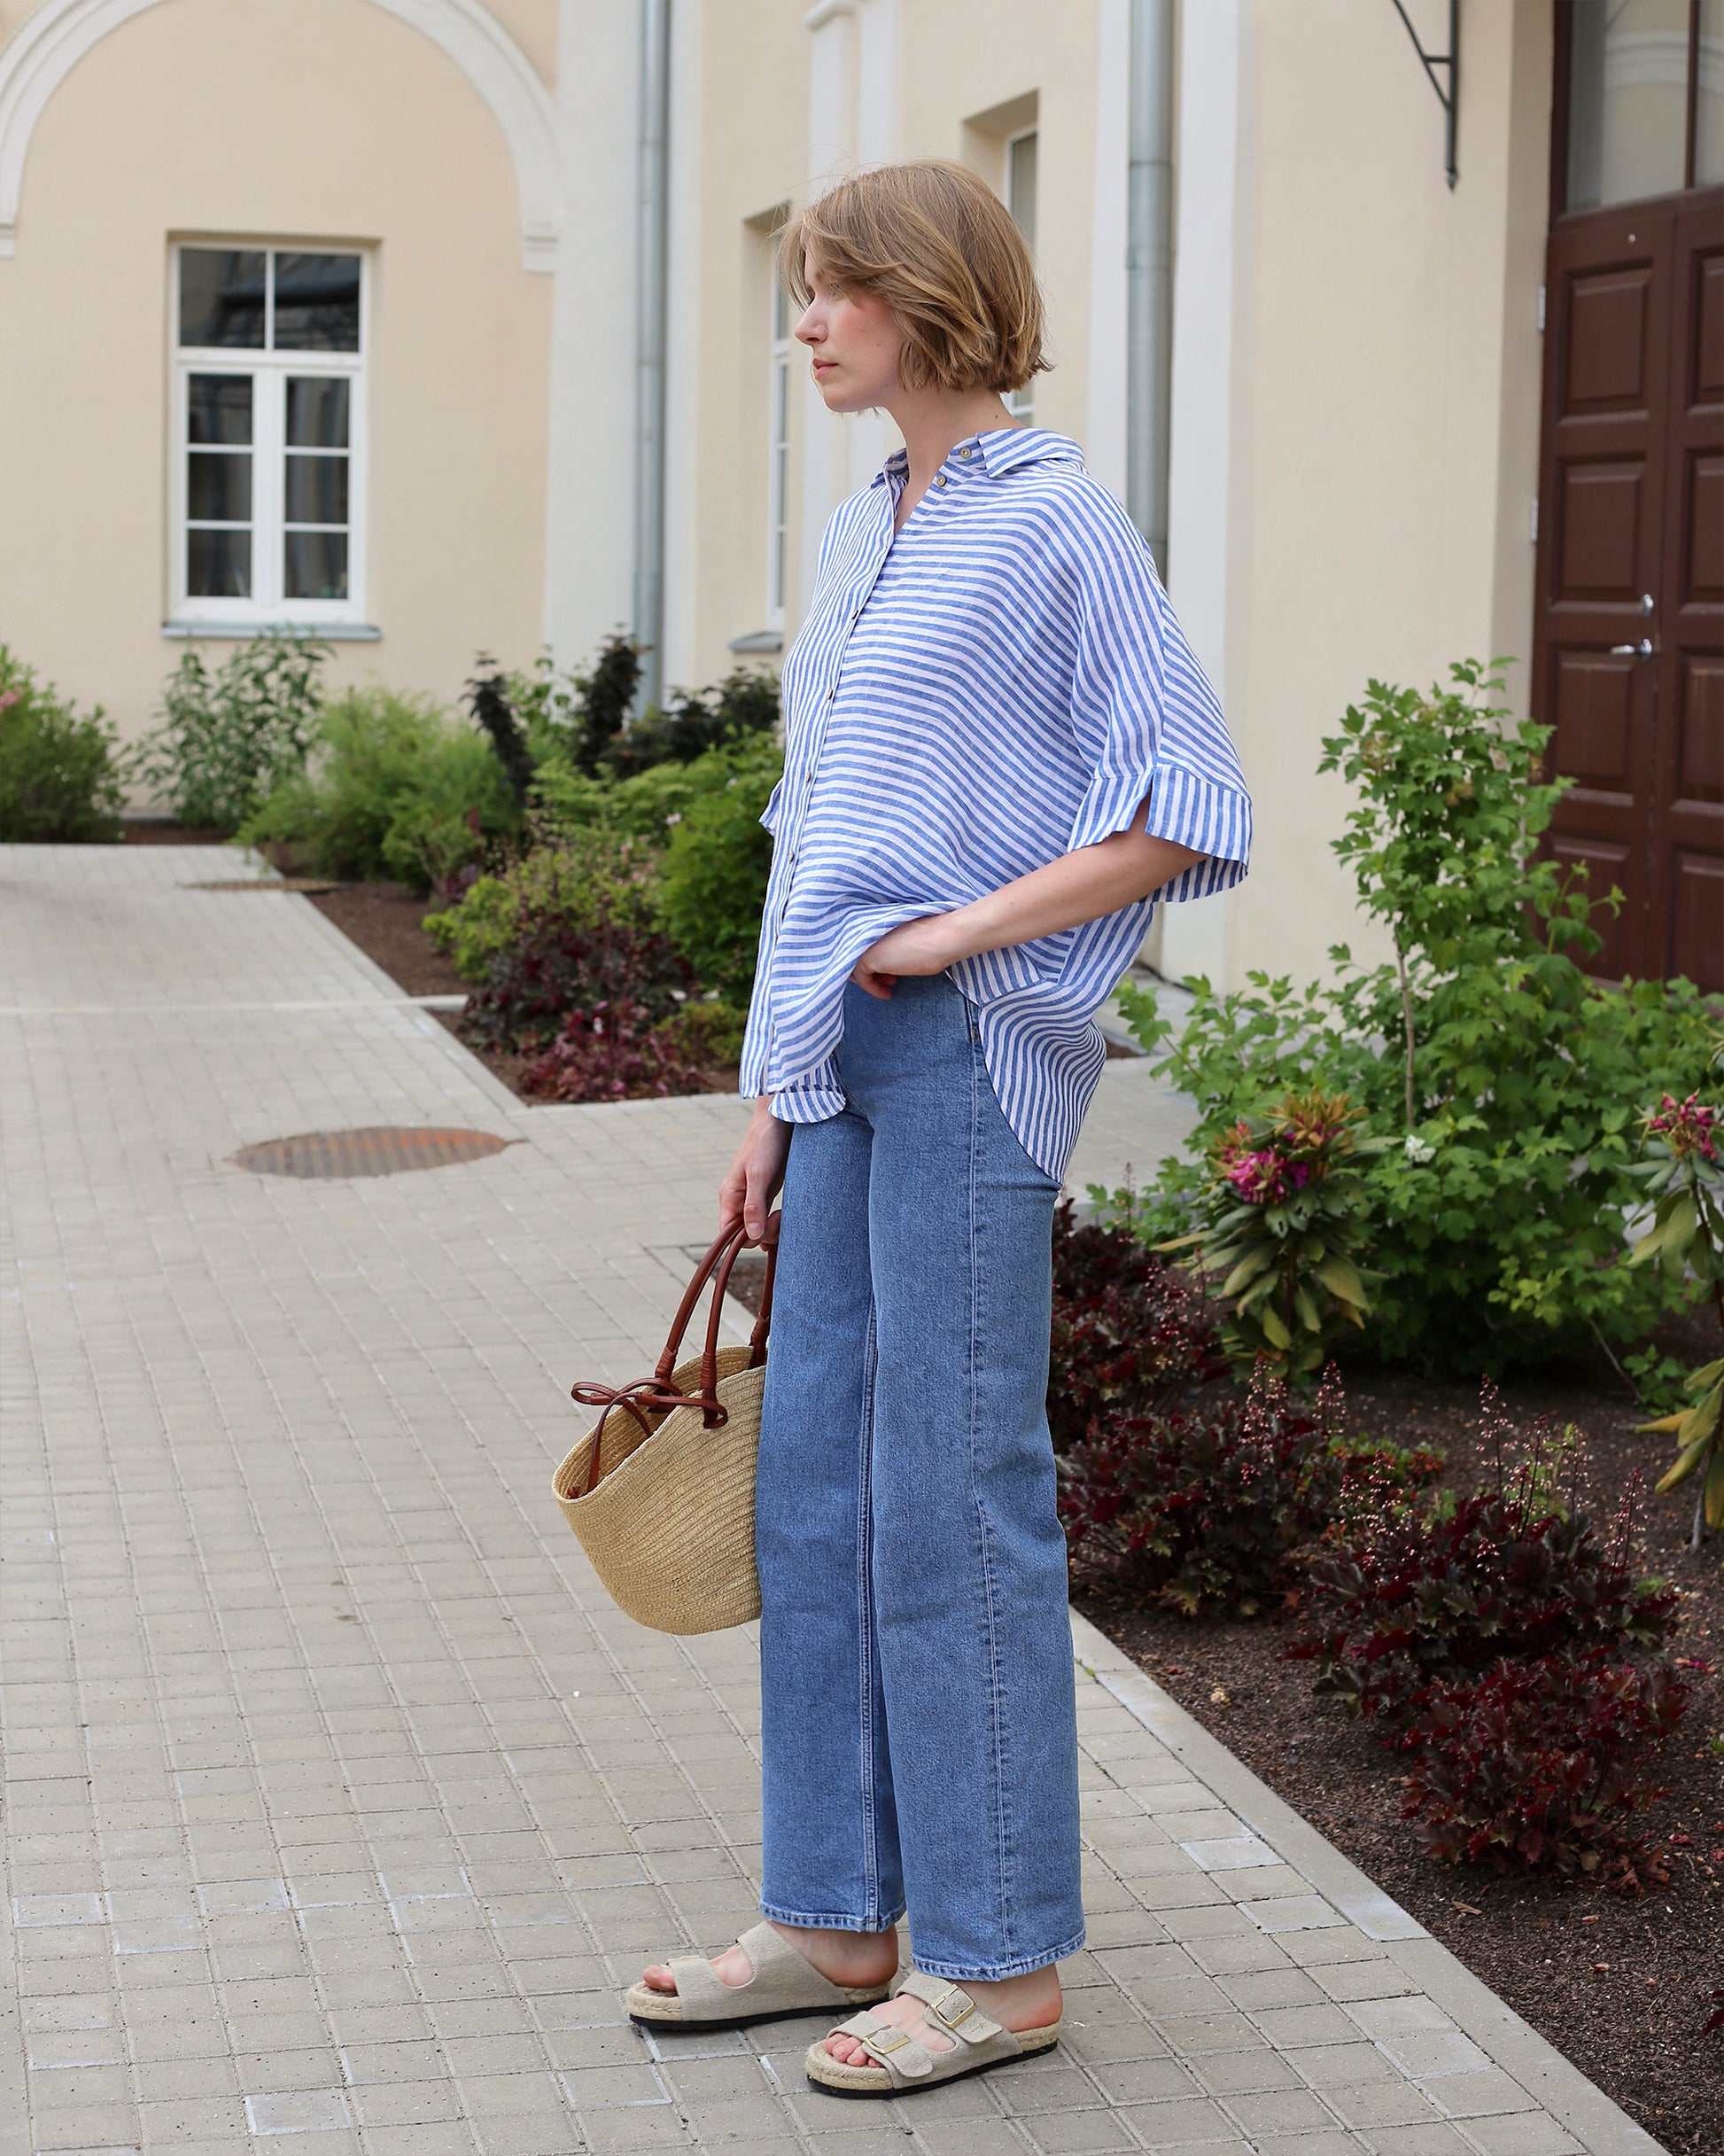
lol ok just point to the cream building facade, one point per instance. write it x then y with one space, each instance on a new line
387 318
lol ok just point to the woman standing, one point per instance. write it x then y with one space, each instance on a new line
999 752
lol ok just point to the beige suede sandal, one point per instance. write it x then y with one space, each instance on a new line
784 1983
904 2064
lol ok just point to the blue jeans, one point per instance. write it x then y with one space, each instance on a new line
920 1717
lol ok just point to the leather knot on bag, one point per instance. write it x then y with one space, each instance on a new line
660 1492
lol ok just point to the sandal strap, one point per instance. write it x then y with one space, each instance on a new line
949 2007
783 1980
903 2057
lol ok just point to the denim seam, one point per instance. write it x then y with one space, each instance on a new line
997 1973
866 1627
996 1706
830 1921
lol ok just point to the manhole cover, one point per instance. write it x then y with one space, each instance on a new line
280 883
382 1150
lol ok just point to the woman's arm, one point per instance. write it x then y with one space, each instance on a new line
1079 886
747 1191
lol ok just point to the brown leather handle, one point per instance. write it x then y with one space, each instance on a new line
658 1393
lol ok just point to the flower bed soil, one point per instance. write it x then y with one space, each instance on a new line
1620 1985
387 922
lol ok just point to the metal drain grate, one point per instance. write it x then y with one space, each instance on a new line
383 1150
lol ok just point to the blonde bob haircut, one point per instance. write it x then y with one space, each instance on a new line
938 245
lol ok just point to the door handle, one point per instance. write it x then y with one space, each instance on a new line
1644 649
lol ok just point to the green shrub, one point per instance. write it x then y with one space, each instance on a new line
58 774
396 787
713 883
708 1034
577 875
230 736
1504 1079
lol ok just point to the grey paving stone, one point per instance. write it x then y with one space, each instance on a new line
341 1803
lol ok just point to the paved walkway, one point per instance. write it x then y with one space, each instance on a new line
338 1800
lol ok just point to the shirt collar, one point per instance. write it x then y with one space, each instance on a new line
1002 449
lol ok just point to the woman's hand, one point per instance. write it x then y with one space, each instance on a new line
919 947
747 1191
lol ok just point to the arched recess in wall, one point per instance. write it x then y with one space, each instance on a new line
57 36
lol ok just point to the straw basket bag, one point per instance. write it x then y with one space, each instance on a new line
660 1492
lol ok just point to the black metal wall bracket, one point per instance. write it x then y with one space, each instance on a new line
1449 98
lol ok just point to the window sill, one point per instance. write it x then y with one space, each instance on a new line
763 640
242 632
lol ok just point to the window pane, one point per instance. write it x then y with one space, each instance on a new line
219 487
1709 107
218 565
1627 106
318 303
317 411
1021 186
218 407
221 296
317 490
315 564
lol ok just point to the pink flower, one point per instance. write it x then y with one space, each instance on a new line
1686 1127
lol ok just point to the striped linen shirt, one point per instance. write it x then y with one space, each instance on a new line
1002 682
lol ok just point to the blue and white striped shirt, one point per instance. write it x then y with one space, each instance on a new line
1003 682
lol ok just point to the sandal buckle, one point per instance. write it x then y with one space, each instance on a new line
888 2039
963 2011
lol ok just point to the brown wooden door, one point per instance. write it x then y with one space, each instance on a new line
1627 663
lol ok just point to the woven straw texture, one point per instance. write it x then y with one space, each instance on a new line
670 1528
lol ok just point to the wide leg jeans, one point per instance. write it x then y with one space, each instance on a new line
919 1718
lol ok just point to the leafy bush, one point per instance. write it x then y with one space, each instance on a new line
1206 1508
612 1052
396 787
1286 1216
651 804
712 886
572 717
557 969
708 1034
58 774
1130 1333
1440 1595
1506 1647
1542 1764
580 877
1501 1074
696 721
230 736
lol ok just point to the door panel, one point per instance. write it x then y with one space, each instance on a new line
1599 546
1687 828
1631 554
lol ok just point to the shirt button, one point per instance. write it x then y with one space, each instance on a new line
939 479
965 452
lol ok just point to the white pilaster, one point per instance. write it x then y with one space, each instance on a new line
589 512
1207 559
1105 420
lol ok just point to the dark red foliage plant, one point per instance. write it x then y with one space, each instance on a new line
1507 1647
1130 1332
1201 1508
611 1053
557 969
1543 1765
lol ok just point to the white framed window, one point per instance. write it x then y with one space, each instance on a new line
268 489
1020 202
778 456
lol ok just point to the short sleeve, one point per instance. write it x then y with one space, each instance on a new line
1143 712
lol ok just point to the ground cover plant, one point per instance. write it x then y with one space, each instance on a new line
231 734
1498 1077
59 779
1507 1646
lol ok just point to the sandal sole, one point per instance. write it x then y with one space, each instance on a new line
1031 2043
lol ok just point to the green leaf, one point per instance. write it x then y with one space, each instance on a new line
1714 1505
1275 1331
1341 1276
1307 1309
1684 1465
